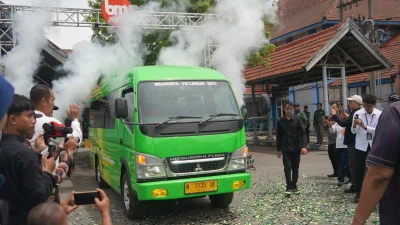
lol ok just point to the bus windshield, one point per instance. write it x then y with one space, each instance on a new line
159 101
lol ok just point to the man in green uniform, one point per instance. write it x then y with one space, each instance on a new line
307 127
318 114
300 114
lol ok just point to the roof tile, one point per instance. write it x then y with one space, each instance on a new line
293 56
297 14
391 51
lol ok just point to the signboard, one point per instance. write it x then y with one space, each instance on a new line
111 8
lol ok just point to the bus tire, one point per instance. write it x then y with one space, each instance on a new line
100 181
221 200
134 209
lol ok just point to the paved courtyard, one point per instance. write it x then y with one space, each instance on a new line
320 200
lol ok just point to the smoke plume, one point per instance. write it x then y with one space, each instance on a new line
89 61
23 60
238 32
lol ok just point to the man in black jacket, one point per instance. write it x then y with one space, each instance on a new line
291 141
28 178
355 103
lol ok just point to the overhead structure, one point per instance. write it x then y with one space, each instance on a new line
91 18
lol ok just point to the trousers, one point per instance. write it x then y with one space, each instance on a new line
291 163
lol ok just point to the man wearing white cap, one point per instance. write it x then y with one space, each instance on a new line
364 124
355 103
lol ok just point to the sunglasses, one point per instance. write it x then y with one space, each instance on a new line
393 76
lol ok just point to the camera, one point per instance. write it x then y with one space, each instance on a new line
55 130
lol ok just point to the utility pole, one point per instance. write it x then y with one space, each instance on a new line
372 75
341 11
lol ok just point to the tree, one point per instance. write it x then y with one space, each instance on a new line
160 38
154 41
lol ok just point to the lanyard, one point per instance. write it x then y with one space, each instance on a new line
372 118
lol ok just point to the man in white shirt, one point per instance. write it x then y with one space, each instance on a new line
364 124
43 99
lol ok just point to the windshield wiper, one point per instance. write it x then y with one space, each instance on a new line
218 115
177 117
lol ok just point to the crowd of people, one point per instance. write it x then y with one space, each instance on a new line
29 175
363 147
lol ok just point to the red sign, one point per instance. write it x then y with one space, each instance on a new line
111 8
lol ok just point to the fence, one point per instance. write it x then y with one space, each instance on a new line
249 126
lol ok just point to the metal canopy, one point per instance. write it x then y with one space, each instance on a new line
90 18
348 47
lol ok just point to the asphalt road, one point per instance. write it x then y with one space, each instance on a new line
320 200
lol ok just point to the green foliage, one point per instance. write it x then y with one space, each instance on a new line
158 39
262 56
154 41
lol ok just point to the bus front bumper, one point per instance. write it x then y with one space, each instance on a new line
179 188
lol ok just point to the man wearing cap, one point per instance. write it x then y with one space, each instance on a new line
364 124
43 99
382 181
355 103
393 98
6 93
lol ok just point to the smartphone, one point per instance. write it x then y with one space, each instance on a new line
356 116
54 151
86 198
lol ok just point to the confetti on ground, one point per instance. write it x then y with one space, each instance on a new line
320 200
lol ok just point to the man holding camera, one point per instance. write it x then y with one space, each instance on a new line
43 99
29 179
364 124
355 103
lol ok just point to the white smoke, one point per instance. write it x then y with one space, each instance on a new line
89 61
22 61
240 30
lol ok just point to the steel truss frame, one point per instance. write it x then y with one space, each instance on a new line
79 17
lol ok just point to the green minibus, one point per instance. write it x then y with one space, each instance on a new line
168 132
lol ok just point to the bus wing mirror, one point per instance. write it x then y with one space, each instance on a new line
121 108
265 103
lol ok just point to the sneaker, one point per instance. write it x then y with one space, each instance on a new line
288 191
350 190
341 183
295 191
333 175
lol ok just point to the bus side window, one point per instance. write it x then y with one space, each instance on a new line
97 113
129 96
109 120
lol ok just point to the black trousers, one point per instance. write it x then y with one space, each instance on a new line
360 157
334 157
308 133
291 162
351 150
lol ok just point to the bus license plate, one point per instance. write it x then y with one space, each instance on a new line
200 187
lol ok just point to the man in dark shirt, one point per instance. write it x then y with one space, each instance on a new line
28 181
291 141
307 128
318 114
382 181
355 103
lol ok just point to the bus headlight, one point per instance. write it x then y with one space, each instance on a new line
238 159
148 167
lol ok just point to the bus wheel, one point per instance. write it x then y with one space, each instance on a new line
134 209
221 200
102 183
